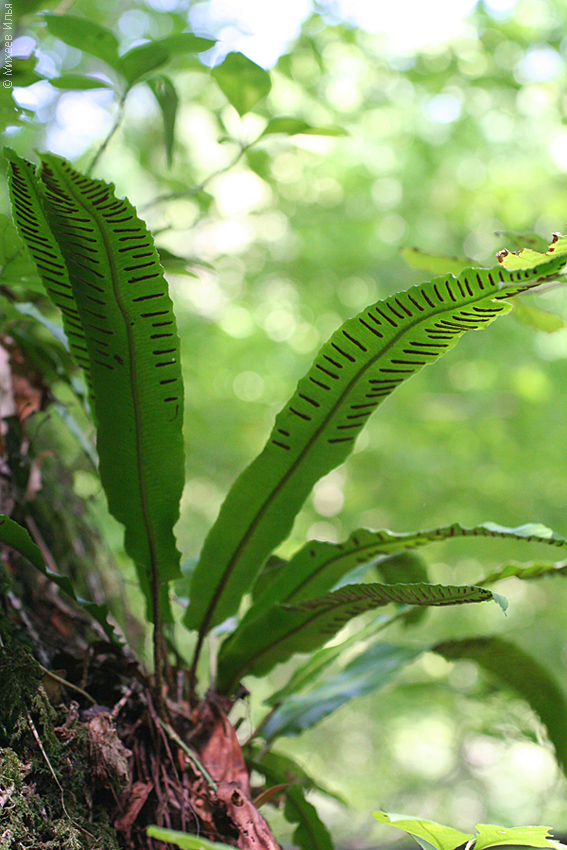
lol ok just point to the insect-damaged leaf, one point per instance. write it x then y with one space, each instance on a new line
99 264
360 366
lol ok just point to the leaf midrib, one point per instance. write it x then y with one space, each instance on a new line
283 481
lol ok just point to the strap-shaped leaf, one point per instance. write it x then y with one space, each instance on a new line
514 667
133 353
371 670
533 570
306 674
319 565
256 647
183 840
363 362
31 221
12 534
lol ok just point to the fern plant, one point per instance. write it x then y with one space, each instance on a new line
98 264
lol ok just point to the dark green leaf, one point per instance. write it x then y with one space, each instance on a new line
370 671
319 565
14 535
30 310
105 274
310 833
306 674
168 101
242 81
144 58
404 567
294 126
79 82
279 768
85 35
254 648
34 229
361 365
24 71
520 671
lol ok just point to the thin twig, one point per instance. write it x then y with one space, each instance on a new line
67 684
200 187
112 131
54 775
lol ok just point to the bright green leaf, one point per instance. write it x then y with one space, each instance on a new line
85 35
242 81
534 570
433 834
183 840
435 263
16 537
536 318
79 82
295 126
527 258
513 667
361 365
527 836
517 241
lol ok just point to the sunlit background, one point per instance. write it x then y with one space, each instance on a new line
454 113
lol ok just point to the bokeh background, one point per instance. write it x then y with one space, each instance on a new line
449 122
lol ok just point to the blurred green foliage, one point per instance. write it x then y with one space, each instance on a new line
443 149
